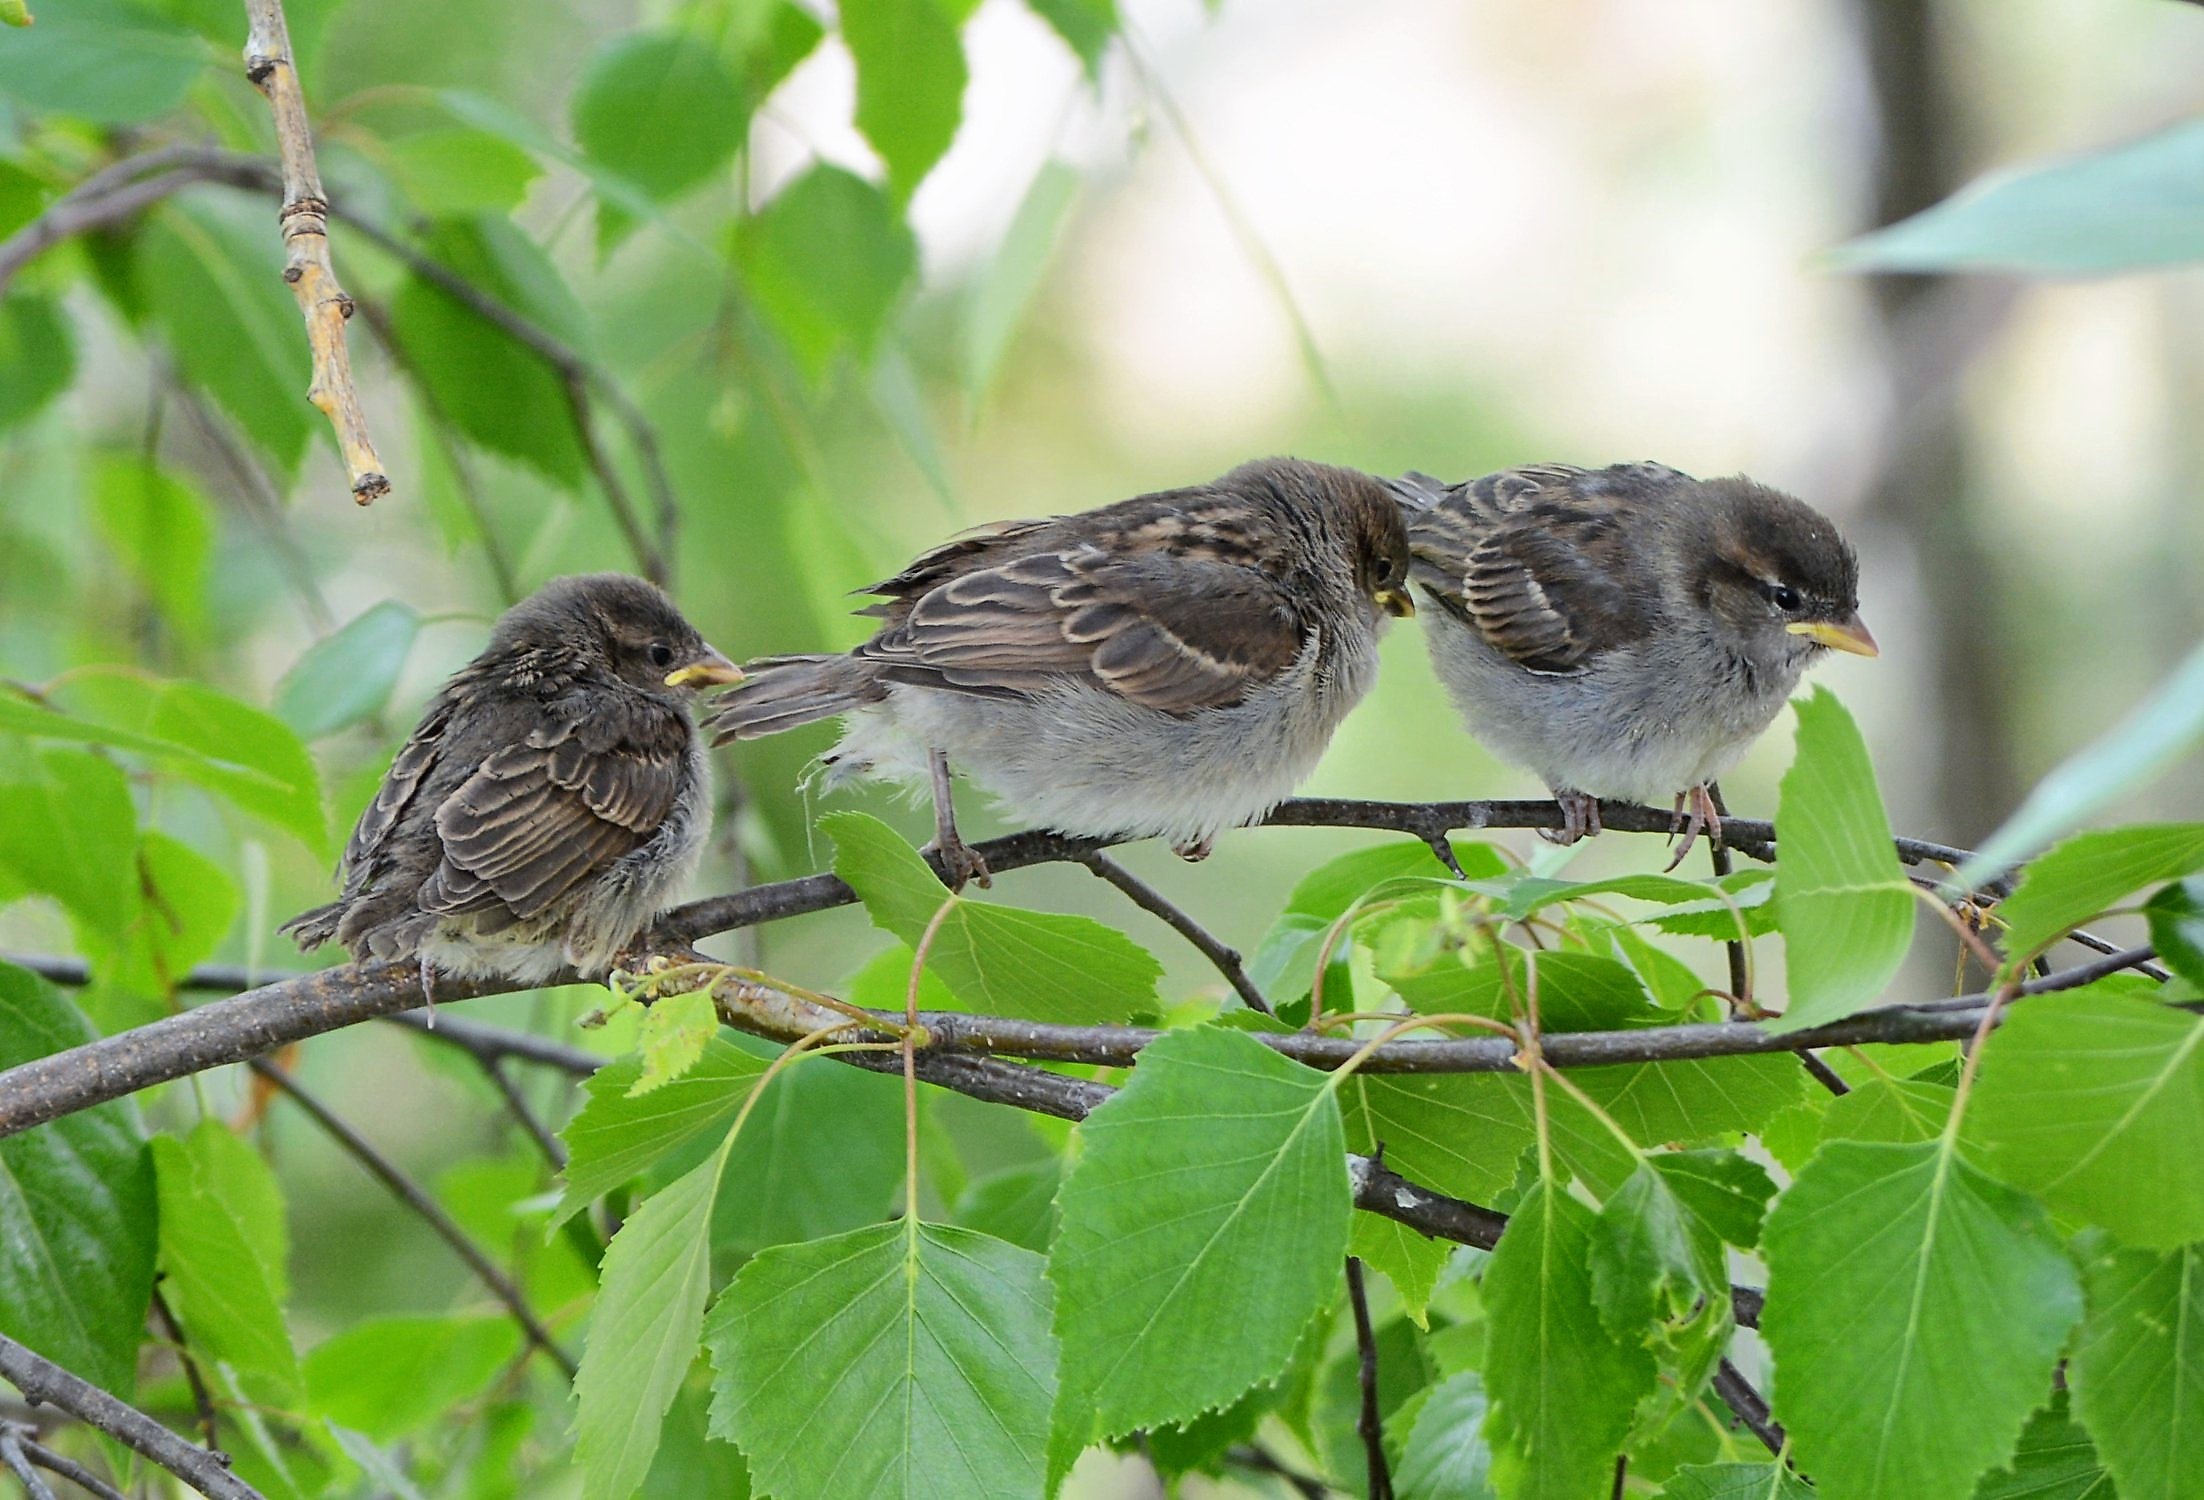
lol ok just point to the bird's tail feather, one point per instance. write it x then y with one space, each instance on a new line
782 692
313 928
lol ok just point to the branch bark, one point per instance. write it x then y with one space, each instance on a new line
41 1380
304 218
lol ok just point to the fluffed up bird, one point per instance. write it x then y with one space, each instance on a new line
1626 632
549 804
1168 666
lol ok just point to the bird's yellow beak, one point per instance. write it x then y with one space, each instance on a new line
711 670
1395 602
1848 634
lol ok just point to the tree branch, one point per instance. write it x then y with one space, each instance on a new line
41 1380
69 1469
304 218
410 1193
1371 1422
1151 900
1738 1394
18 1463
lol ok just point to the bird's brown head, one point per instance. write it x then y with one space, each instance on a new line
1777 574
616 626
1380 540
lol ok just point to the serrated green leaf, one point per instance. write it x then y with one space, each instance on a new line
995 959
1736 1482
661 109
1203 1226
2161 730
2127 207
215 1281
778 1189
894 1361
644 1331
1903 1281
672 1038
910 83
161 530
456 171
2138 1369
346 677
618 1135
2094 1101
1445 1457
1562 1389
1896 1111
2090 872
68 830
1751 894
1016 1205
231 1170
2176 917
2055 1461
37 356
110 61
1843 901
827 261
78 1215
213 285
1000 296
390 1377
1411 1261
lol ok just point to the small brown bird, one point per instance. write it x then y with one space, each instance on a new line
1626 632
1169 666
550 802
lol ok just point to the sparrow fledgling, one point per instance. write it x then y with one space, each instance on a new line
550 802
1169 666
1626 632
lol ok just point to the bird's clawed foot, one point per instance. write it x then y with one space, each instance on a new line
1194 851
960 862
1702 815
1579 817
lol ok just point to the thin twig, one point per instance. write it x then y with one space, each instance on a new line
1371 1423
1262 1461
516 1104
202 1399
69 1469
304 218
41 1380
410 1193
18 1463
1153 901
1738 1394
83 212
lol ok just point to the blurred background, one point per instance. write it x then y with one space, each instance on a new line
1389 233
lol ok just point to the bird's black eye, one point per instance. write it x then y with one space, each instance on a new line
1784 597
661 654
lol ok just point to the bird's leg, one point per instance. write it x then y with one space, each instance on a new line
428 996
1579 817
1703 815
1194 851
959 862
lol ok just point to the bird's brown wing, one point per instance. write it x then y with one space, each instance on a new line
1539 560
1166 630
540 817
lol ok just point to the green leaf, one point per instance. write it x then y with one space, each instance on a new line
189 903
2138 1369
1736 1482
231 1170
1016 1204
1412 1262
2094 1101
14 13
392 1377
1845 905
2132 206
1562 1389
161 530
1445 1457
910 83
2176 917
772 1193
644 1330
2055 1461
457 171
113 62
37 356
1087 27
764 40
1904 1282
1897 1111
77 1209
2158 732
68 830
2090 872
495 389
1203 1227
995 959
1001 294
215 1281
895 1360
346 677
672 1038
661 109
1659 1251
618 1135
827 261
212 279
